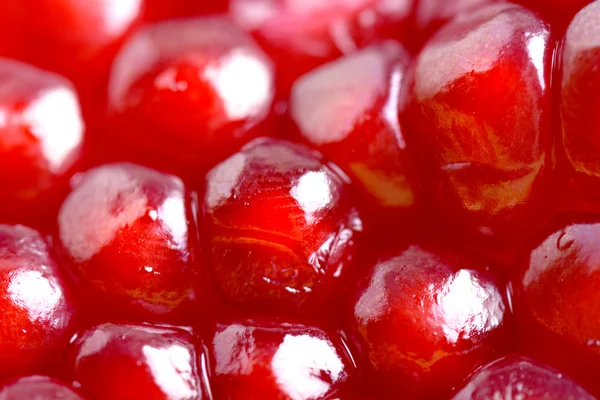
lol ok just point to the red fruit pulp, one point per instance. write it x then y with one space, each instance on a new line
279 226
41 133
479 113
138 362
185 94
423 320
580 105
38 388
125 236
348 111
72 37
519 377
277 361
301 35
38 313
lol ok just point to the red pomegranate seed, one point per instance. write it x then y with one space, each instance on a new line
277 361
479 112
38 388
558 302
279 225
138 362
41 133
38 314
424 320
579 101
125 236
348 111
185 94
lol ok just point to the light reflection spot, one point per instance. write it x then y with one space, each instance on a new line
312 192
172 370
243 82
467 307
34 293
299 364
54 118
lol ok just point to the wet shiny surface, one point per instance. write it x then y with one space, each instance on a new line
41 133
570 257
124 233
277 361
559 302
137 362
580 105
76 39
347 110
38 315
280 225
187 93
38 388
324 274
479 111
424 320
520 378
301 35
